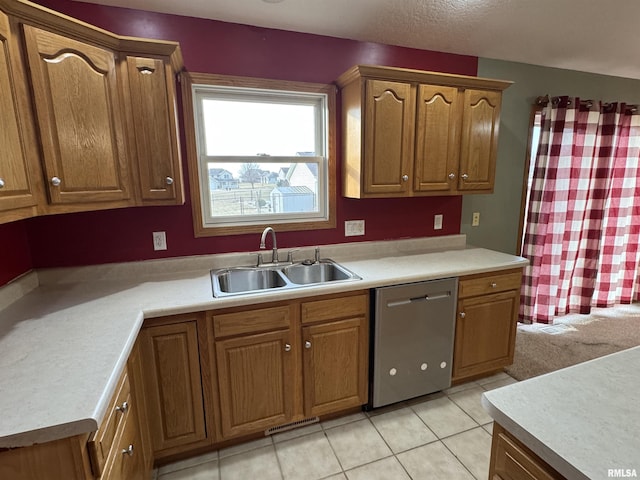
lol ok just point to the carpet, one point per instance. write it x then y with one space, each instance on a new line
574 339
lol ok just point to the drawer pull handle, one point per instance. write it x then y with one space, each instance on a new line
462 314
128 451
307 344
494 284
169 180
287 347
122 408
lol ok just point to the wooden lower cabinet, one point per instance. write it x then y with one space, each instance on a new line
511 460
173 384
486 323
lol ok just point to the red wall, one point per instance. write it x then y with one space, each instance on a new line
218 47
15 257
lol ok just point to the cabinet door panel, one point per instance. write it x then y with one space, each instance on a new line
389 136
485 333
335 366
173 388
154 122
17 144
479 144
437 138
255 379
79 115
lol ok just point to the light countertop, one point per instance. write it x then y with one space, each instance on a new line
582 420
65 343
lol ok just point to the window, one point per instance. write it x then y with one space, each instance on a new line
261 154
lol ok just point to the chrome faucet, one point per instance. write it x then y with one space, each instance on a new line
274 256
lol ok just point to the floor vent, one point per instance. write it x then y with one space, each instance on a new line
291 426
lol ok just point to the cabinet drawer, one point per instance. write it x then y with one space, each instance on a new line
101 441
127 458
511 462
334 308
490 283
251 321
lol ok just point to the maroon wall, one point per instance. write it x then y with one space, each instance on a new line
15 257
218 47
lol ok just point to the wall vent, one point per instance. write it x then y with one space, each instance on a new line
291 426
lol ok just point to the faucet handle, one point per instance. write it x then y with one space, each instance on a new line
260 260
290 255
317 257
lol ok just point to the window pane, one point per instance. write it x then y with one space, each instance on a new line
246 128
239 189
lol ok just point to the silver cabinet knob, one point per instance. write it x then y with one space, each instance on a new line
1 183
55 181
128 450
122 408
405 178
494 284
462 314
287 347
465 176
307 344
169 181
452 175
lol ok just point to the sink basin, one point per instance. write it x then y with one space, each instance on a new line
305 274
238 280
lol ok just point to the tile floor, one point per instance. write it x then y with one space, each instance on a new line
444 435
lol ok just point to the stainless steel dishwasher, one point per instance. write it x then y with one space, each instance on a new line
412 340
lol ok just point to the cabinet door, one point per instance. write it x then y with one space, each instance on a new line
18 148
255 380
335 357
173 388
79 115
437 139
485 333
152 95
389 137
479 141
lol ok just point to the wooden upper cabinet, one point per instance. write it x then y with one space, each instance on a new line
415 133
18 147
77 105
479 145
154 125
389 132
437 133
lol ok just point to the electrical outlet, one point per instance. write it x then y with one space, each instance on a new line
476 219
437 222
159 241
353 228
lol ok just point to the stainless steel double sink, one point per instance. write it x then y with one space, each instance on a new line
239 280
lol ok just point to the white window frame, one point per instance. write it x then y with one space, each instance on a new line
194 90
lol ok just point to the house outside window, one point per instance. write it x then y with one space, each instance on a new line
263 155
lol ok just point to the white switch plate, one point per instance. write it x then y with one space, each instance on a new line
437 222
159 241
475 221
353 228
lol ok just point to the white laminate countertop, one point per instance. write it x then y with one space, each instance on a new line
64 344
582 420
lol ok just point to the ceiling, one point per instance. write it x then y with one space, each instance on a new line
586 35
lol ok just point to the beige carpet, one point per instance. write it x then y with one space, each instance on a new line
574 339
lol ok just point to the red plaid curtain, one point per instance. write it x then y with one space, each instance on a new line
583 217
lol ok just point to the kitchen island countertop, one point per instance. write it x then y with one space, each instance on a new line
64 345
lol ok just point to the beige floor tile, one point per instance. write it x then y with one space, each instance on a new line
336 422
296 432
489 428
473 450
444 417
203 471
403 429
245 447
386 469
389 408
309 457
493 378
499 383
260 463
460 388
189 462
469 401
433 461
340 476
357 443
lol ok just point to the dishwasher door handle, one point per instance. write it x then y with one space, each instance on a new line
422 298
